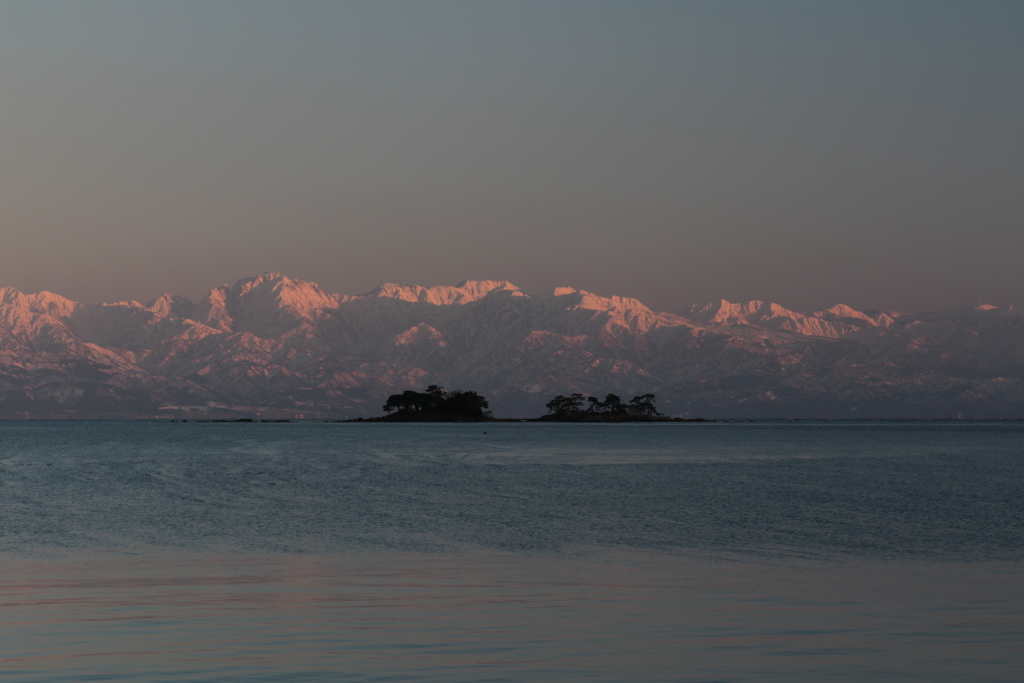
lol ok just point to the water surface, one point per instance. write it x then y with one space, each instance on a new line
325 551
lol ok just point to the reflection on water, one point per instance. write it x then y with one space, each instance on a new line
223 552
497 616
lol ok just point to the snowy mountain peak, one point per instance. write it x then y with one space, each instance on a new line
267 305
843 311
465 292
171 306
837 321
303 299
40 302
728 313
581 298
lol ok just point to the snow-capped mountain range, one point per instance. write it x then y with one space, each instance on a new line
272 346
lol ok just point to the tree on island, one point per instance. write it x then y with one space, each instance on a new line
643 405
566 407
436 402
612 407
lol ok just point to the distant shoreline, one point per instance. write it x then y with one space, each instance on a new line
542 420
546 418
645 420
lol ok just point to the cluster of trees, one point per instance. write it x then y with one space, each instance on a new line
439 404
576 406
436 401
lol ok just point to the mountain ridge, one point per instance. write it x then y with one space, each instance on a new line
272 345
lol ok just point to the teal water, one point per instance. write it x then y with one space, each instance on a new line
509 552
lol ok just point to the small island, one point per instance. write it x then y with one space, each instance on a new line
580 408
438 404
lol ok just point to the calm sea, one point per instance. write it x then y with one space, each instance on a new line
157 551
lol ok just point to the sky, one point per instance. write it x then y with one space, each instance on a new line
808 153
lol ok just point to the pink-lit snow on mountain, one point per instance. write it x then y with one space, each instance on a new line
275 345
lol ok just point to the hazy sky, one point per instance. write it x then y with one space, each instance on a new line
810 153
